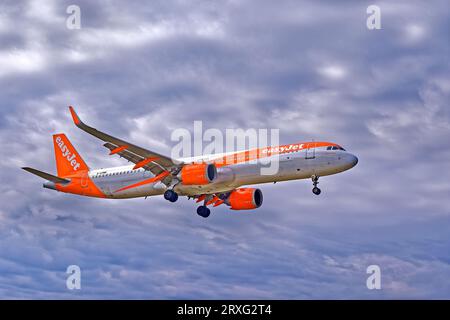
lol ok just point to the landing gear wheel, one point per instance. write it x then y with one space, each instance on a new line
203 211
170 195
315 180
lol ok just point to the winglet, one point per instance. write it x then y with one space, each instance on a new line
75 117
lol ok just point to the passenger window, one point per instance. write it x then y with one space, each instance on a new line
329 148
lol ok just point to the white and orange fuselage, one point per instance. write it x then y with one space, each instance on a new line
302 162
213 179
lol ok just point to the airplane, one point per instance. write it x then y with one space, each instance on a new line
211 180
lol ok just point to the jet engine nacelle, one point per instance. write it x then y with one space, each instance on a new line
198 174
245 199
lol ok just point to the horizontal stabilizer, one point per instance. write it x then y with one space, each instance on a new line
46 176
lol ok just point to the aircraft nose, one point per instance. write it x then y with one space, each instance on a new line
353 160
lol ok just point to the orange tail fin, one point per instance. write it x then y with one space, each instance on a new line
68 160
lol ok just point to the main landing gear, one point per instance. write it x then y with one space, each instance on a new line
170 195
203 211
315 180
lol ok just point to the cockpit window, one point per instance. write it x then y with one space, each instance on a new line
335 148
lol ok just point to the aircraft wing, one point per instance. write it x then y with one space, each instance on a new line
143 158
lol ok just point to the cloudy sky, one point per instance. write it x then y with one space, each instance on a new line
140 69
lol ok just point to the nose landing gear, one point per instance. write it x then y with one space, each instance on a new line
315 180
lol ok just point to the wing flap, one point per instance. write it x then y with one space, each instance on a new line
153 166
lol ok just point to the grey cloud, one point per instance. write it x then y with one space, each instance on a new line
310 68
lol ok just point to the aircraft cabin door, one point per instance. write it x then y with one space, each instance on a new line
310 150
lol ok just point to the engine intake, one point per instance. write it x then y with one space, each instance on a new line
245 199
198 174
